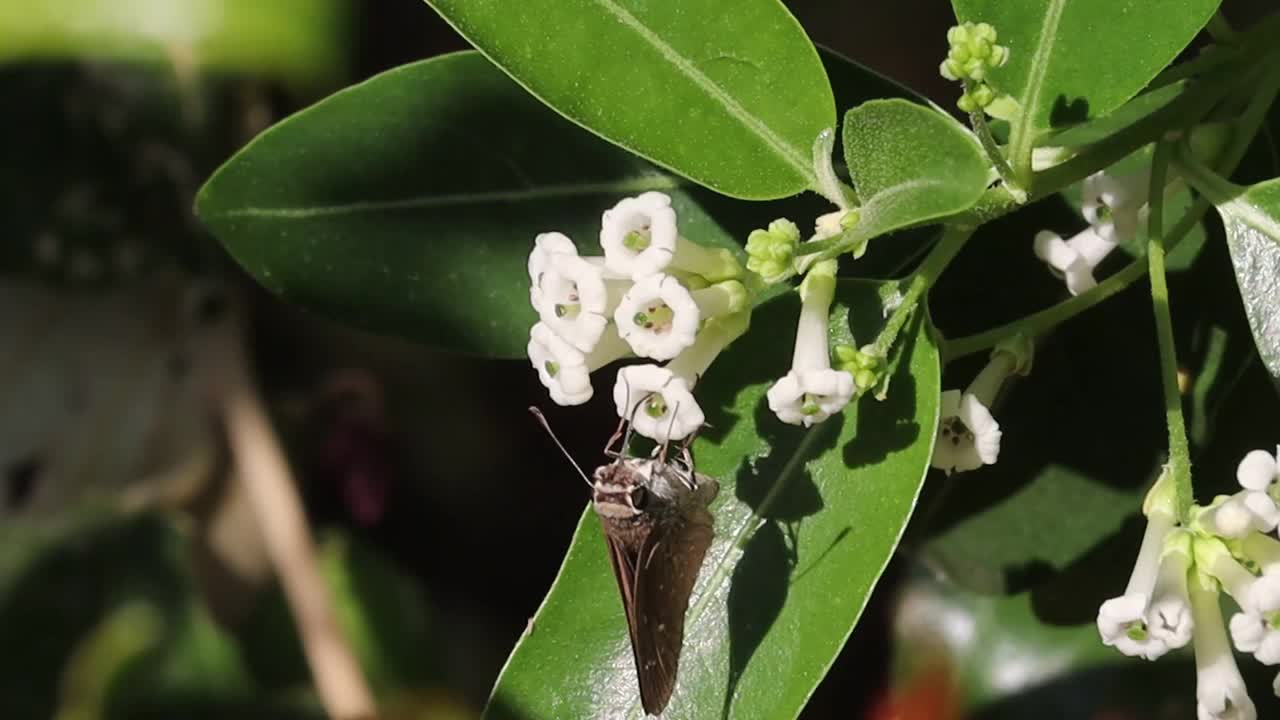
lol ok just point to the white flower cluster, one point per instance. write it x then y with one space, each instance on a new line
1173 594
656 295
1114 207
653 294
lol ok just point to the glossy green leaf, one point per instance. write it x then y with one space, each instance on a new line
1072 60
910 163
302 40
330 210
417 219
1252 222
765 621
729 93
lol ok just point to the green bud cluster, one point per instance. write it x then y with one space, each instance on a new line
865 365
771 253
973 52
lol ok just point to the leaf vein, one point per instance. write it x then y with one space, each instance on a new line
797 160
634 185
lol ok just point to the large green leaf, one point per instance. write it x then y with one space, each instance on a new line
1071 60
766 621
1252 222
417 219
910 163
302 40
729 93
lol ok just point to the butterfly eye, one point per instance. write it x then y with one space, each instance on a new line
639 498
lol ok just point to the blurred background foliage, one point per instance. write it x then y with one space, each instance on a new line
133 583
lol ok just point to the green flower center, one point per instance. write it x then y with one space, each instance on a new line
636 240
1273 620
655 406
553 367
1137 632
657 318
810 405
568 310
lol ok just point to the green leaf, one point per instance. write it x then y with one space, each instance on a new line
302 40
1100 128
418 219
729 93
1070 61
766 621
910 164
1252 222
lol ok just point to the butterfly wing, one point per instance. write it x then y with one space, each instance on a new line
667 566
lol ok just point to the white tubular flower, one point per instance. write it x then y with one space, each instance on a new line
1220 691
1114 206
811 391
565 371
544 246
1074 259
658 401
640 238
1257 634
1236 516
828 225
1259 470
1253 594
1169 618
968 435
575 299
1123 621
1263 550
659 317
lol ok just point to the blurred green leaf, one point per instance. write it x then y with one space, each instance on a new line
1070 61
381 611
910 163
765 621
299 40
729 93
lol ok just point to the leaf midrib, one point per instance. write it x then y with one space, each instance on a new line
546 192
793 158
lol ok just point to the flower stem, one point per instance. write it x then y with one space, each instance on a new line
953 238
1179 452
1041 322
978 120
1247 128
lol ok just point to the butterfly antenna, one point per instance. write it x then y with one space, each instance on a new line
547 426
622 422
